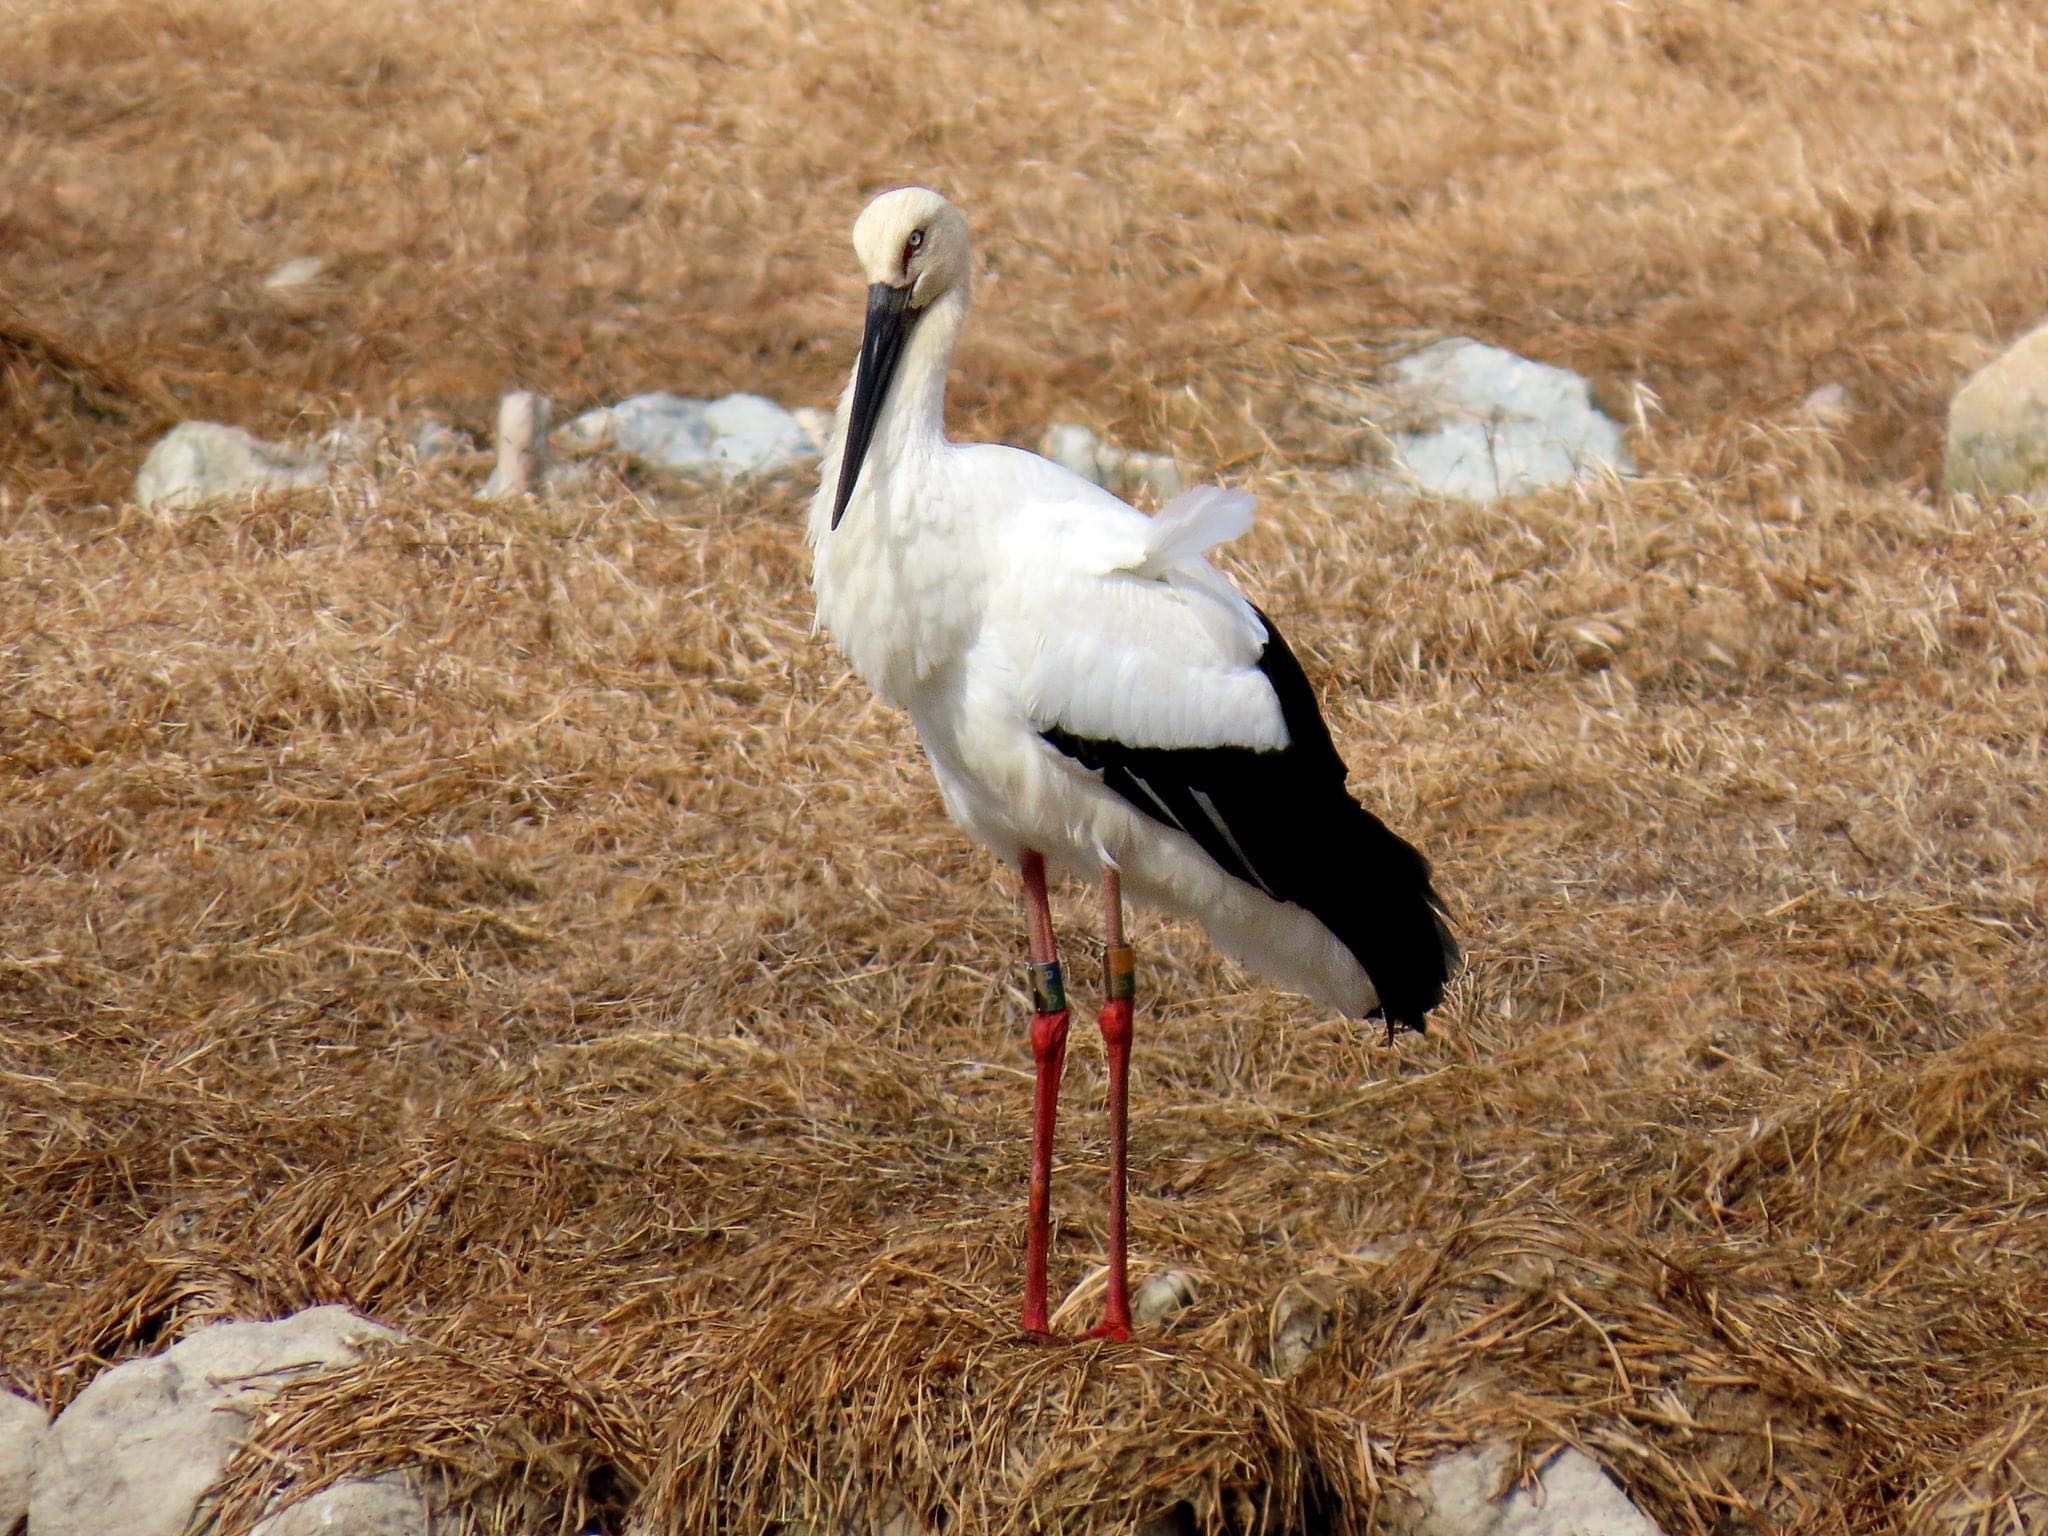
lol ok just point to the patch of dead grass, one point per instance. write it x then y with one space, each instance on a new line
507 920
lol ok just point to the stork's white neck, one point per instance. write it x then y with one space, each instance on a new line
911 428
915 413
893 587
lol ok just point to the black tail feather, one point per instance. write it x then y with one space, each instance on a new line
1283 821
1379 902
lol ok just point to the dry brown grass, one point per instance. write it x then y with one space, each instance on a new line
510 922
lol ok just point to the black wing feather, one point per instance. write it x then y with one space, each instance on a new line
1282 820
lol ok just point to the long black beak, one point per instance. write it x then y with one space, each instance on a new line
881 348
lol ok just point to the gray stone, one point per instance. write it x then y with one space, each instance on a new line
22 1427
302 286
391 1504
296 273
736 435
1828 406
355 442
139 1447
1162 1296
1572 1496
1475 422
433 438
817 426
1073 447
1298 1326
660 430
1998 424
1998 1483
751 435
1125 472
201 461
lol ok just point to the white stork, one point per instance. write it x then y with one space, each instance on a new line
1091 691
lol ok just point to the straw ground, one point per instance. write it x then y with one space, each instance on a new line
510 921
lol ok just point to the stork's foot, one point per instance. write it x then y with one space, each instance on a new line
1106 1329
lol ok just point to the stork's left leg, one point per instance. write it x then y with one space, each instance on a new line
1049 1055
1120 982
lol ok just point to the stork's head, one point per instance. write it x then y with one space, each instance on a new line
912 246
913 240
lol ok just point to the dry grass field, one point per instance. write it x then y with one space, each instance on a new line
510 921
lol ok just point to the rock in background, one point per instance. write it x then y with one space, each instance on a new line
1476 422
1998 424
140 1446
1457 418
201 461
1572 1496
198 462
1125 472
736 435
22 1427
391 1504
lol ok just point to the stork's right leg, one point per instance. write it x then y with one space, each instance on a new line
1049 1053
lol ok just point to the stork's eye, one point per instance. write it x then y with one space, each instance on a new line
913 245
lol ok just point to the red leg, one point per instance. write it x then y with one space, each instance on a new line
1049 1054
1120 982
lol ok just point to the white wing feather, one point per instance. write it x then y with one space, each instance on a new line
1183 531
1119 630
1193 523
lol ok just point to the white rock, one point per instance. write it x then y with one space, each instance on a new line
432 438
736 435
1828 406
1383 1250
751 435
817 426
1297 1326
1073 447
1477 422
354 442
201 461
144 1441
22 1427
1998 423
1123 472
661 430
1999 1483
391 1504
1162 1296
1573 1496
296 273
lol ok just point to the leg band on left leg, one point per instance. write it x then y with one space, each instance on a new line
1120 971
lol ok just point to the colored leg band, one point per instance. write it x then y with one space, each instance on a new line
1048 990
1120 971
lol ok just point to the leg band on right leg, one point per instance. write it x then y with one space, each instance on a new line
1048 988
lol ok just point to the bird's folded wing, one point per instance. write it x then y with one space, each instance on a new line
1120 631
